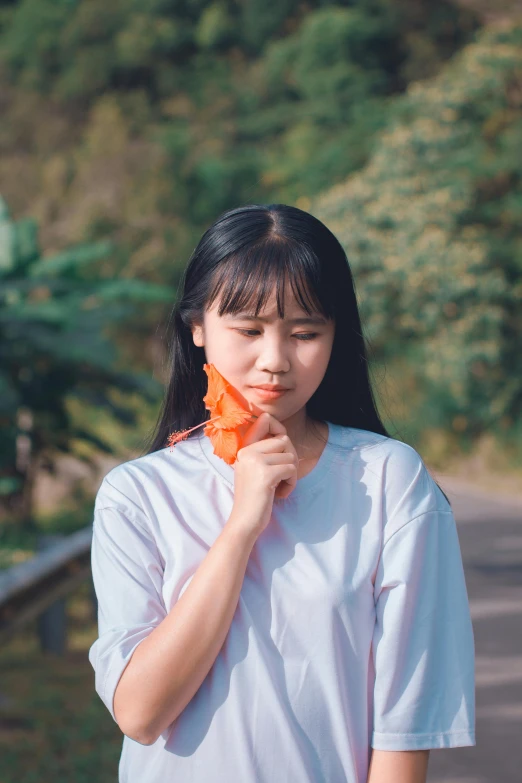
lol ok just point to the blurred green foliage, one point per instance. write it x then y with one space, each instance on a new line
54 313
143 120
432 227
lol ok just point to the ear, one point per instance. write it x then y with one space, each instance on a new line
197 335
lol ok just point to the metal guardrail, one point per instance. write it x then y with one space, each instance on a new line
36 588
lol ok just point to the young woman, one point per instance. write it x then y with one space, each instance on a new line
300 615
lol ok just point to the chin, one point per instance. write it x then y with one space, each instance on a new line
254 407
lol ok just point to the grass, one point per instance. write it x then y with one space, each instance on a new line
54 728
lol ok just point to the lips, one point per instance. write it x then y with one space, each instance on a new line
267 387
269 394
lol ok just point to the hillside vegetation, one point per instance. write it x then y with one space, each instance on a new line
433 228
141 121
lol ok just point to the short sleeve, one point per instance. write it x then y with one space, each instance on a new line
423 644
127 573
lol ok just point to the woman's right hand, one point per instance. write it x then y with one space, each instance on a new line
265 467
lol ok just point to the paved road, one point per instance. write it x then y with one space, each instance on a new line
490 534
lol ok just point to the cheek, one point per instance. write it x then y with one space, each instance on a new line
314 366
224 345
230 357
317 357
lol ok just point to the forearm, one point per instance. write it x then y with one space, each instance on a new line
398 766
167 667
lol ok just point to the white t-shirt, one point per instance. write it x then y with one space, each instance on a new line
352 629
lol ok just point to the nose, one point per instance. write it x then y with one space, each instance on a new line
273 357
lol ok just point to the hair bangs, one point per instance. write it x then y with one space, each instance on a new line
246 279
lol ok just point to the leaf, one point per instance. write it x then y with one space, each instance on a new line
70 259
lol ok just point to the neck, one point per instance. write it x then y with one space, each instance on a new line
306 434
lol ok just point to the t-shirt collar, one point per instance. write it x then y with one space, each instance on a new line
304 484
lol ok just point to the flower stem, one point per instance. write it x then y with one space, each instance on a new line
175 437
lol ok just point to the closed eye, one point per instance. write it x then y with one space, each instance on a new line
300 335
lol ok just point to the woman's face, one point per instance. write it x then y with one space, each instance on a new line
250 351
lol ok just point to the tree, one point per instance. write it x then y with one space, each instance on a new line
54 315
145 119
432 228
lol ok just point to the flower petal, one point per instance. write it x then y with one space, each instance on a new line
226 443
217 385
231 413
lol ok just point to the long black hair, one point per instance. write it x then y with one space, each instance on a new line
240 257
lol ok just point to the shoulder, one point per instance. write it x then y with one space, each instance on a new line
396 472
376 449
130 485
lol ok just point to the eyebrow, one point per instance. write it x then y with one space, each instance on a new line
250 317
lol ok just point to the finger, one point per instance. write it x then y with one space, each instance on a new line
285 486
265 426
277 444
280 458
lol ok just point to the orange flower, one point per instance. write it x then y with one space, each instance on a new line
227 416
